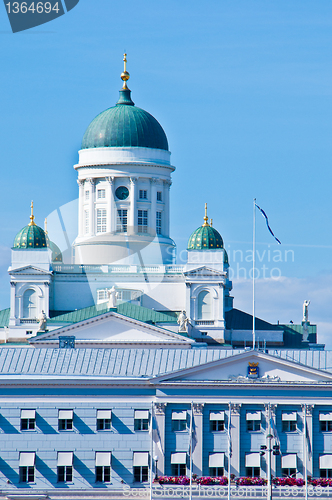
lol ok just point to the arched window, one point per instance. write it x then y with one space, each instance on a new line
30 304
204 305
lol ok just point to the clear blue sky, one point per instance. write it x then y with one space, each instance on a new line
243 89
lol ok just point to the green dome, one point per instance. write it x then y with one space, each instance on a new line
225 257
31 236
125 126
56 252
205 238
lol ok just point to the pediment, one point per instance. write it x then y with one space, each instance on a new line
250 367
203 271
32 270
113 328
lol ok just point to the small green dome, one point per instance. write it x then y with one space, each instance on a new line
56 252
31 236
226 257
205 238
125 126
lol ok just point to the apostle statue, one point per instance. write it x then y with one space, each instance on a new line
305 310
42 321
112 297
183 322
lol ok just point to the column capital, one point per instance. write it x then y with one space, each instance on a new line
167 183
110 180
12 283
309 409
80 182
91 181
198 408
154 180
160 408
272 408
133 180
235 408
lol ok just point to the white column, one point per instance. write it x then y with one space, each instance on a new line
273 410
133 204
235 438
167 186
13 313
46 307
92 207
152 221
80 183
160 418
198 450
308 441
111 211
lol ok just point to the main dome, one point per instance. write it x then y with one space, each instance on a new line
125 126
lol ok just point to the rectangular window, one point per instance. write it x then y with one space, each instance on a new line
216 471
289 426
28 420
65 421
142 221
141 474
103 474
159 196
27 474
179 420
141 420
327 473
122 221
253 419
179 470
87 195
104 420
326 425
65 473
288 472
101 194
158 222
143 194
253 471
217 421
86 222
101 220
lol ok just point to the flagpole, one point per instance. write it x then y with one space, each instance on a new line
151 451
229 453
305 458
253 275
191 455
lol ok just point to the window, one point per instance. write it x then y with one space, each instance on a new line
253 471
325 422
288 472
325 466
28 420
27 467
104 420
86 222
216 464
65 420
204 305
101 194
30 304
179 420
103 467
29 332
87 195
142 221
289 421
141 420
159 196
158 222
65 467
101 220
143 194
178 463
217 421
122 221
253 419
141 467
327 473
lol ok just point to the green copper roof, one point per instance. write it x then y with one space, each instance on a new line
30 236
56 252
124 126
126 309
205 238
4 317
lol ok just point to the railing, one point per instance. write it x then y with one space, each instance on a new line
105 269
204 322
25 321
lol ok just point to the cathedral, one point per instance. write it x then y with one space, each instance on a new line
123 243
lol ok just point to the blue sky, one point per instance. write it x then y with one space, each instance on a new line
243 89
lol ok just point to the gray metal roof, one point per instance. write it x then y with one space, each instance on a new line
130 362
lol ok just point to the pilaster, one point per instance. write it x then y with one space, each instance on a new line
152 222
111 211
80 206
133 205
167 186
160 409
92 206
198 439
308 441
235 439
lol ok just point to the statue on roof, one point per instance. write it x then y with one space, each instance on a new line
112 297
305 310
183 322
42 321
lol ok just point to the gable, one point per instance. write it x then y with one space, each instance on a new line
28 270
203 271
265 368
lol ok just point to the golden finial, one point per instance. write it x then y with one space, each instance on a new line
206 217
211 222
32 223
45 225
125 75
